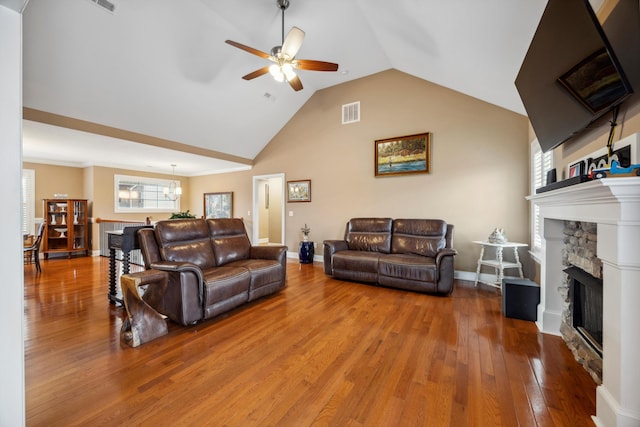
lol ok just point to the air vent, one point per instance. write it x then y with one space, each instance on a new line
105 4
351 113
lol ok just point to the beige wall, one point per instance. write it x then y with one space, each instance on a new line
52 180
96 185
479 172
478 179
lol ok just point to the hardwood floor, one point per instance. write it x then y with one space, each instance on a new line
322 352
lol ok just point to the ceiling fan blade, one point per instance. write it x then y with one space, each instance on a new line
295 83
257 73
292 42
249 49
310 64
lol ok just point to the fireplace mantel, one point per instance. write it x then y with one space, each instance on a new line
614 205
607 200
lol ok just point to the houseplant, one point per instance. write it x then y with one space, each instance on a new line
182 215
305 233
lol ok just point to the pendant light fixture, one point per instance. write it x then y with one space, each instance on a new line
173 191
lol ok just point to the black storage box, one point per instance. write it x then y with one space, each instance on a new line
520 299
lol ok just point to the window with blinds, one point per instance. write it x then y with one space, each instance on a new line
28 201
141 194
541 163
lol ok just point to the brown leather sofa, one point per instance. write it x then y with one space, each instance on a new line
209 267
412 254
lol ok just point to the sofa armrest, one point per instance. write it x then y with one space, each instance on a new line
177 268
330 248
277 253
443 253
445 271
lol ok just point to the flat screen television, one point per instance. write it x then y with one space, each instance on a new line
571 75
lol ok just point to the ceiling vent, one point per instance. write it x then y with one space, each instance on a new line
351 113
105 4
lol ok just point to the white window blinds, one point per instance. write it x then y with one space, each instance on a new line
541 163
142 194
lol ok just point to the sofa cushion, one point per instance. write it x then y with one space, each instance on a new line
185 240
418 236
408 266
264 273
225 288
229 240
356 265
369 234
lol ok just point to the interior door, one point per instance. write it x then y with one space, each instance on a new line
268 208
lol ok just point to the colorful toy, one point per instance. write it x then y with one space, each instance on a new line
615 171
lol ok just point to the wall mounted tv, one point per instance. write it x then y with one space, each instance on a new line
571 75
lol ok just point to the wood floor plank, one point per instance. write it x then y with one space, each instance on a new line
322 352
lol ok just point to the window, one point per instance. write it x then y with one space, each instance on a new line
28 201
541 163
140 194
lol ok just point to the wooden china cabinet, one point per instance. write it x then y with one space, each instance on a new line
67 229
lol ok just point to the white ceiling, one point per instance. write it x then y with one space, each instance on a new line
161 68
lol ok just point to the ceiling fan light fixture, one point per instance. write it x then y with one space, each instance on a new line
287 70
276 72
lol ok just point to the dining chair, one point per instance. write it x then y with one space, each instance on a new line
33 251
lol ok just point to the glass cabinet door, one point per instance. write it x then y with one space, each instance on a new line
57 227
79 227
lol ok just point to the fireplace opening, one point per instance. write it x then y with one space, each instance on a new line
586 306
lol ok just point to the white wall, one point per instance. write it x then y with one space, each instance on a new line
11 315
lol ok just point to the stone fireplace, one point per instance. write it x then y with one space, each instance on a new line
581 326
613 205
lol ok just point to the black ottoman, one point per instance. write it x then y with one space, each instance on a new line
520 299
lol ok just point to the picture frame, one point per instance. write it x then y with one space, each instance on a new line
576 169
299 191
218 205
403 155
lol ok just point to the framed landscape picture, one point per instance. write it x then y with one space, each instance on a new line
218 205
403 155
299 191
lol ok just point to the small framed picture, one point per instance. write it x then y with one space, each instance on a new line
576 169
299 191
218 205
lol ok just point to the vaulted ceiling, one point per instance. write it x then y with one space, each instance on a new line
160 68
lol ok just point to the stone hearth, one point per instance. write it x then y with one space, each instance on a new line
614 205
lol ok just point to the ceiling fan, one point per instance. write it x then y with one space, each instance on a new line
283 57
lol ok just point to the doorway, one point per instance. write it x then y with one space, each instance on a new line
268 208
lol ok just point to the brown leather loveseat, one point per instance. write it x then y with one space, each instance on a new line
197 269
412 254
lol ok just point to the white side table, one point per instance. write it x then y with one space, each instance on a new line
498 263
